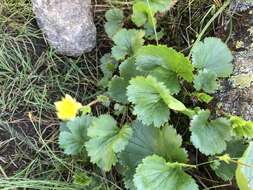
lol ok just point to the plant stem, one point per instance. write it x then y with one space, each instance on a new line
222 8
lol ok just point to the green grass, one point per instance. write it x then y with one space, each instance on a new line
33 77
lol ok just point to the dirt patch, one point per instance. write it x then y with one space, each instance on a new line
20 143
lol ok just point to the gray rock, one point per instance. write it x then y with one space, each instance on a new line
241 5
236 95
67 24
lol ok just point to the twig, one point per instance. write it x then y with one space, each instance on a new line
2 171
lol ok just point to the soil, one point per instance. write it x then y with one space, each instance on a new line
17 153
22 143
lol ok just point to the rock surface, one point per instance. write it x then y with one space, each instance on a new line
67 24
242 5
236 94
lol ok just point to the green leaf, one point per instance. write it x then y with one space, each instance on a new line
152 33
105 100
127 42
203 97
244 172
148 140
128 69
142 15
205 133
73 139
118 85
160 70
106 140
114 22
213 55
158 5
120 109
242 128
117 89
108 65
85 110
206 80
155 174
151 57
152 100
235 149
213 59
168 78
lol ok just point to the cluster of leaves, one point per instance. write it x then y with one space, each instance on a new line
147 81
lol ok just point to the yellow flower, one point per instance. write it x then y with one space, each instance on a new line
67 108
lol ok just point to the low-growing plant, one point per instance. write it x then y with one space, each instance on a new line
147 88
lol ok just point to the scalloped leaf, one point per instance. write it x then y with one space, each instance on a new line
203 97
106 141
74 136
154 173
242 128
114 22
152 100
118 85
127 42
235 149
151 57
143 15
158 5
152 33
128 69
207 81
204 133
148 140
213 59
213 55
108 65
244 172
168 78
117 89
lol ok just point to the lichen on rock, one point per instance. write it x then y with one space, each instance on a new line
236 93
242 80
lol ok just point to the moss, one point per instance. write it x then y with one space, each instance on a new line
242 80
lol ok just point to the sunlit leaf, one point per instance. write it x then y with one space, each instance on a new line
74 136
152 100
210 137
127 42
154 173
114 22
244 172
106 141
148 140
